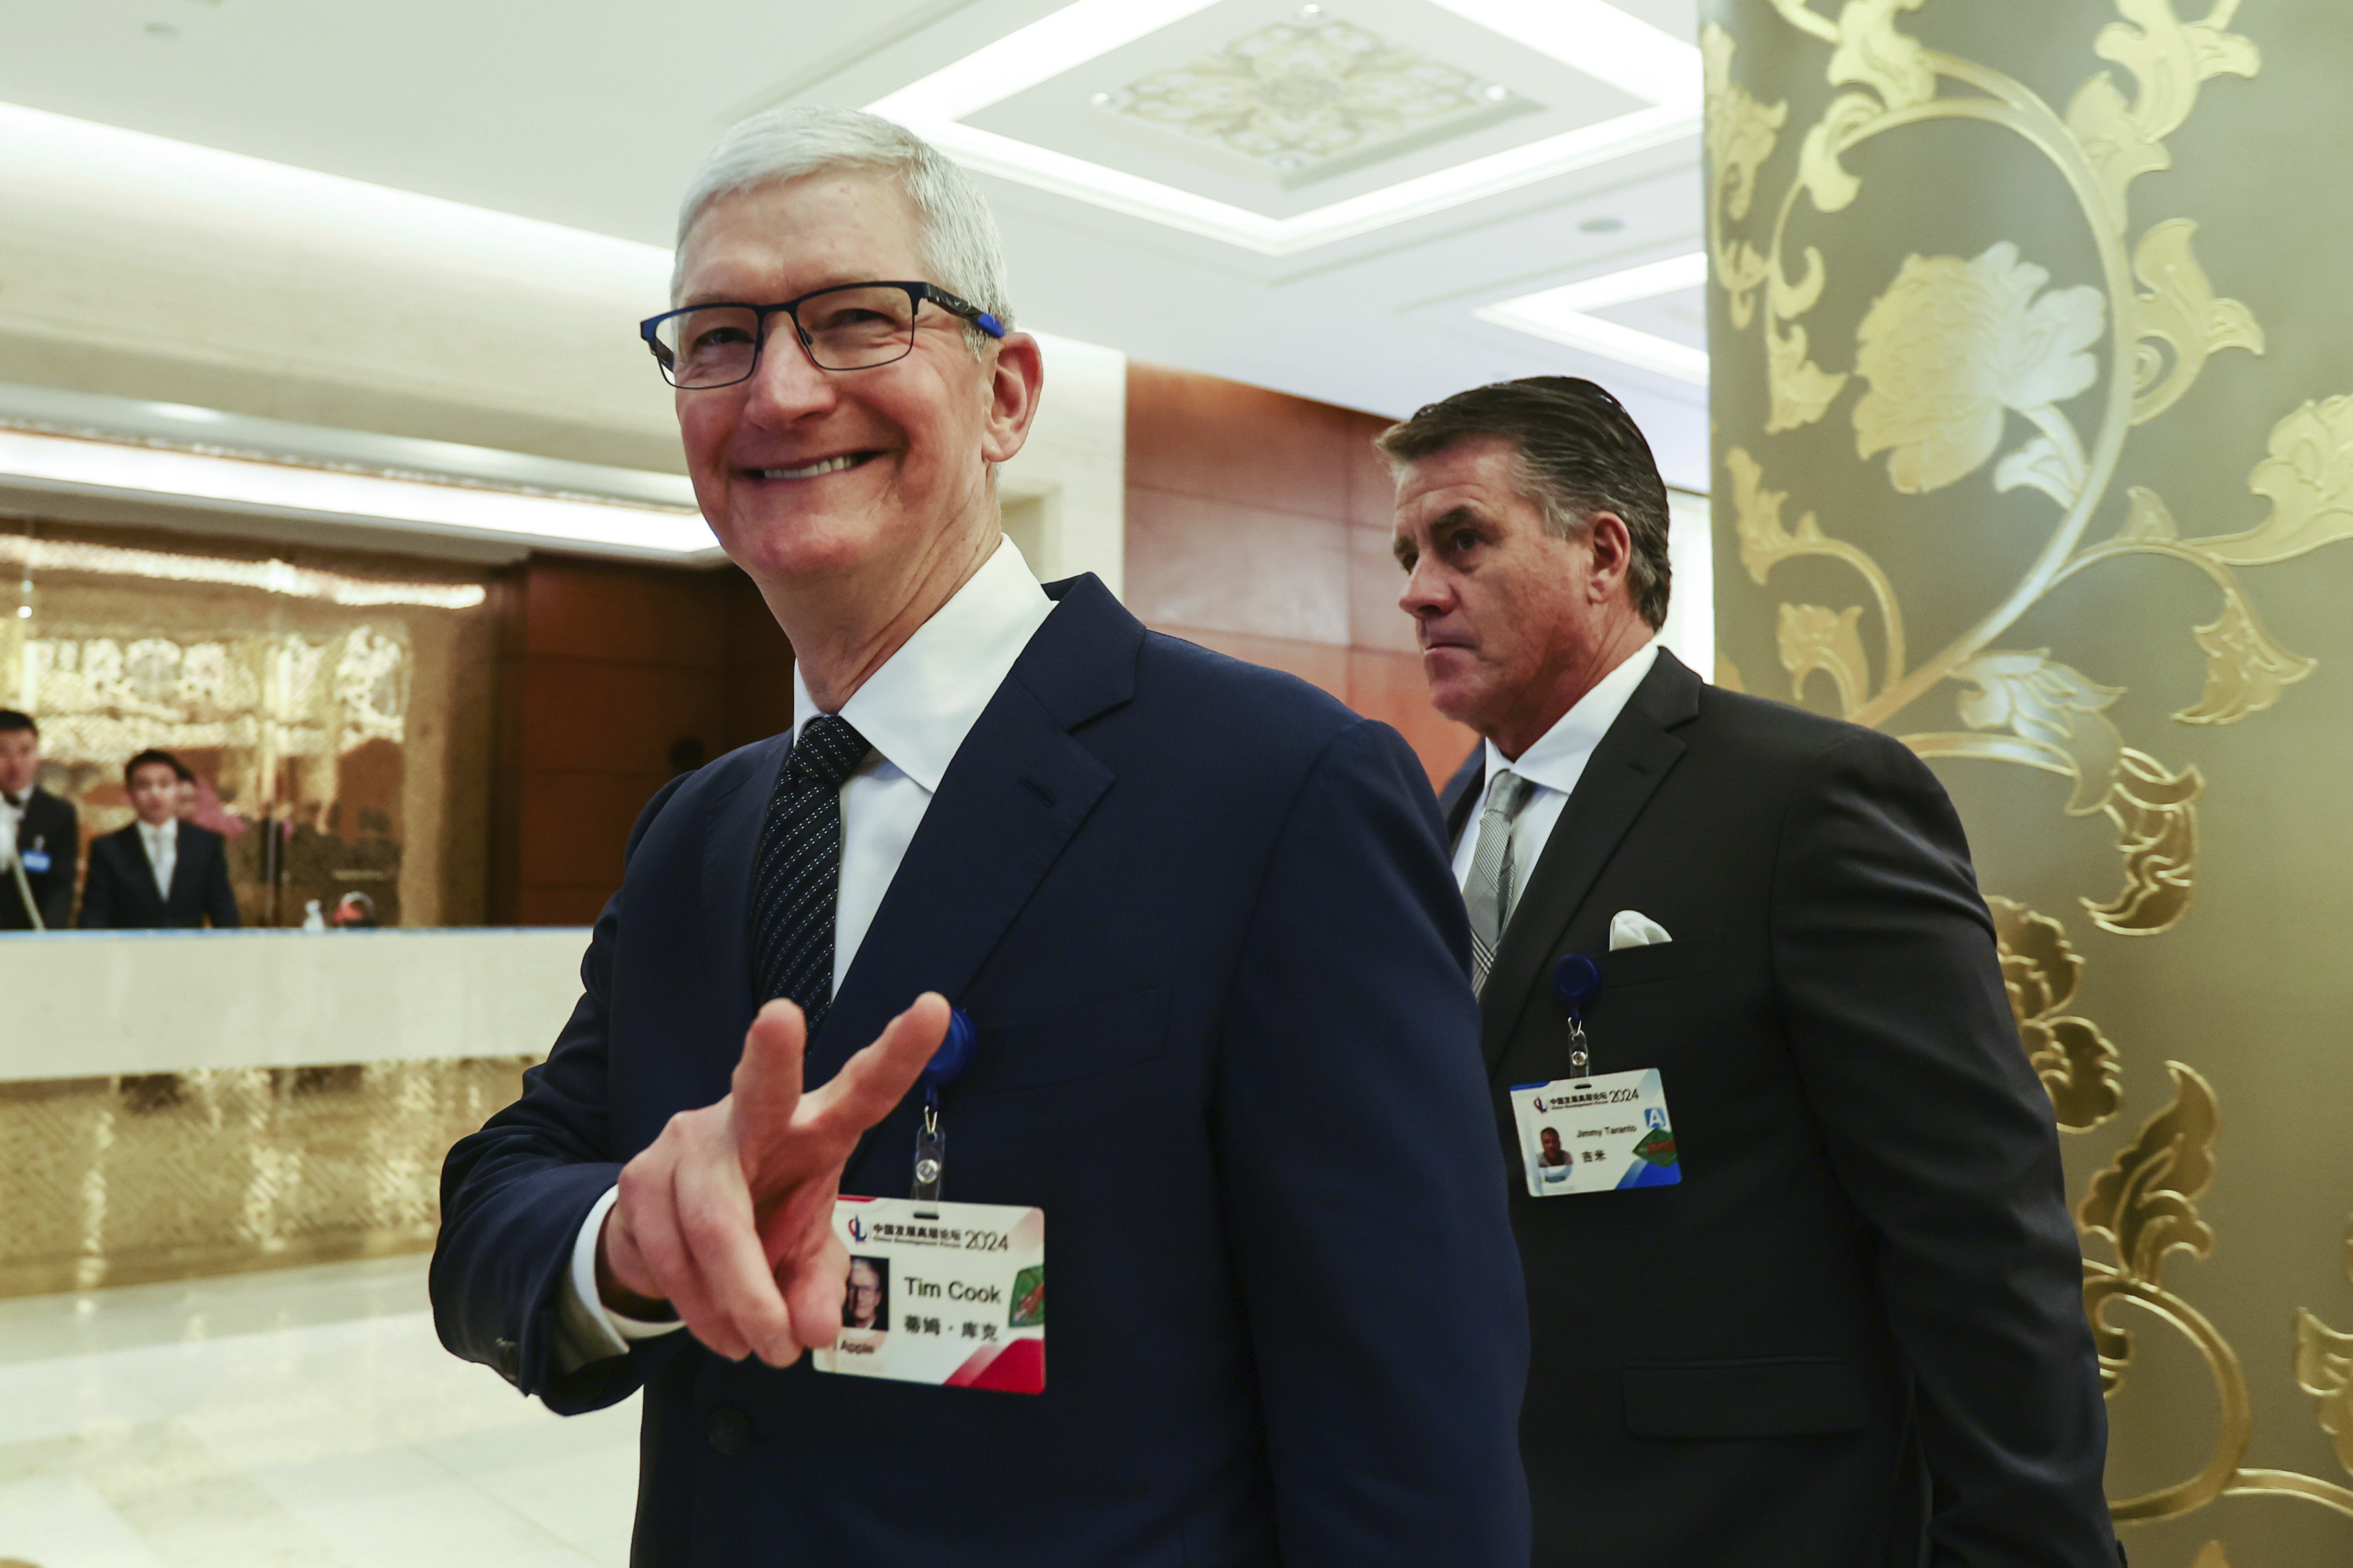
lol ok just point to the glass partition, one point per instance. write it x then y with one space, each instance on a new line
333 710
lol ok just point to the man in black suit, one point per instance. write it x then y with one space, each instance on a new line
1820 1302
1198 914
159 872
40 835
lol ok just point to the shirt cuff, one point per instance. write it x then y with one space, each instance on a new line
592 1331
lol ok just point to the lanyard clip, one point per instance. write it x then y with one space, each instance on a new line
948 1064
931 1150
1576 980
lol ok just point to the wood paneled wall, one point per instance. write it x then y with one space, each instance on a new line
1258 524
604 669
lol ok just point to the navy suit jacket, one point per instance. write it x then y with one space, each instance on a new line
121 894
53 827
1203 919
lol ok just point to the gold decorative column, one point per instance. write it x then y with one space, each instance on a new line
2033 352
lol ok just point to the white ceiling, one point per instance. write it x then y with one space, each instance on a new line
591 113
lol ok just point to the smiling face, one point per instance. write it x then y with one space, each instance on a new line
1514 622
861 481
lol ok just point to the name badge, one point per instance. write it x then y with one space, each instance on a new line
949 1294
36 861
1596 1134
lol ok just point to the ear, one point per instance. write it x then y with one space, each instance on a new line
1612 556
1016 379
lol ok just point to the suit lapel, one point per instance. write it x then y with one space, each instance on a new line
137 873
1014 795
1626 768
1461 794
184 847
731 844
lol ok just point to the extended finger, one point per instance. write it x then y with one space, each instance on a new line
767 1083
871 1083
715 1214
651 1218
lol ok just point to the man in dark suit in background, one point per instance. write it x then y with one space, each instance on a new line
40 835
1834 1317
1199 911
159 872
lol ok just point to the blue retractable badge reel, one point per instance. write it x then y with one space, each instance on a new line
1576 980
946 1066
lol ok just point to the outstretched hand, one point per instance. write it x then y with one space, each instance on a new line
728 1215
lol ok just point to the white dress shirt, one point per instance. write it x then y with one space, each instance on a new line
12 817
915 711
1553 764
162 845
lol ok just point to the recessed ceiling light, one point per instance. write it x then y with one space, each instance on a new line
1496 92
1602 225
188 412
1563 315
1588 36
270 576
1634 283
75 465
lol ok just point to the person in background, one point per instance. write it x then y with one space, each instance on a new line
355 913
1842 1320
40 835
183 799
159 872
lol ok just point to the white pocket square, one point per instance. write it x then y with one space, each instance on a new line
1630 928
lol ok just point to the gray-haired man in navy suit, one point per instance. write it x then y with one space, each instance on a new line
1197 911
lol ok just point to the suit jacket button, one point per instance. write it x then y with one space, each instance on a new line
510 1358
730 1430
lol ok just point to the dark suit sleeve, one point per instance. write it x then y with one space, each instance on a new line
65 855
1889 988
219 901
1365 1191
514 1195
97 898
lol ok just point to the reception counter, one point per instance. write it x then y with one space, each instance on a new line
182 1103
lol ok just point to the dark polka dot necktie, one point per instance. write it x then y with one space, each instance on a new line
796 884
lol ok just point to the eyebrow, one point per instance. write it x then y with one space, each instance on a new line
715 297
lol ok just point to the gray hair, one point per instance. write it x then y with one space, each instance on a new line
954 231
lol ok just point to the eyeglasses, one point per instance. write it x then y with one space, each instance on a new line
851 326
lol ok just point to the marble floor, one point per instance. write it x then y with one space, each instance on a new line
303 1418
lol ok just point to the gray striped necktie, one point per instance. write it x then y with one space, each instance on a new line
1489 892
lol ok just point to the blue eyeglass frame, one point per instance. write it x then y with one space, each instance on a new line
917 295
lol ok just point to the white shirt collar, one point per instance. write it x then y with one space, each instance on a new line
165 832
1556 761
917 709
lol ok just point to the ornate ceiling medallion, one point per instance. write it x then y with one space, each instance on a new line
1310 97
